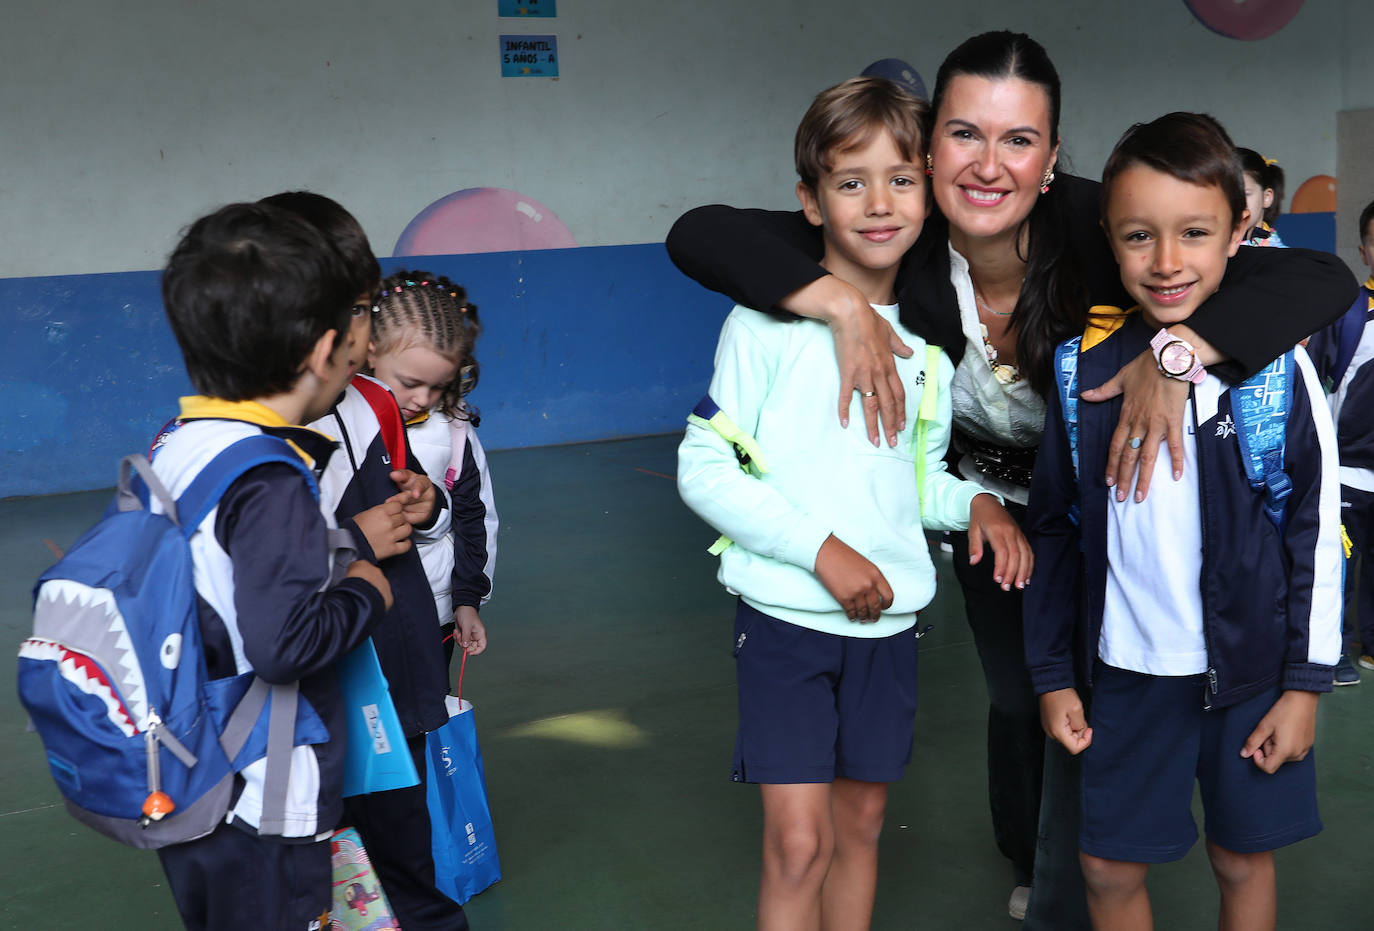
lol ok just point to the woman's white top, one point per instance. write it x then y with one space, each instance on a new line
991 403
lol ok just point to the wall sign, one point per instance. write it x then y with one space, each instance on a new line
541 8
529 56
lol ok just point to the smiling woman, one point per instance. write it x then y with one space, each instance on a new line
1005 269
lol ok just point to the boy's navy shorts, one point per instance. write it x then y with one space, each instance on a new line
814 707
1151 740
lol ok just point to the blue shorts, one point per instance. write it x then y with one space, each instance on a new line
814 707
1151 740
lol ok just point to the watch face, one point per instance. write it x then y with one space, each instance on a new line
1176 359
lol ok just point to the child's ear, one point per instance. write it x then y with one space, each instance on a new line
1268 200
1238 233
810 204
371 354
321 358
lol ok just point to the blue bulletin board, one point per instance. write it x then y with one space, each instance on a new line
529 56
527 8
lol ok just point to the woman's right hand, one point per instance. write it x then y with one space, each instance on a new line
864 346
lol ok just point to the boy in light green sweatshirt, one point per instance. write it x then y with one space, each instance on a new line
824 532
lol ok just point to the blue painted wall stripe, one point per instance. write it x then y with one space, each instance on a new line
578 344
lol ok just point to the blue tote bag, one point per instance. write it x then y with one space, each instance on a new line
462 838
376 759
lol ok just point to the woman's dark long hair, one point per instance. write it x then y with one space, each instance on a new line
1052 305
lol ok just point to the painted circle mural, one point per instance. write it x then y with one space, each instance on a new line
483 219
1316 195
1245 19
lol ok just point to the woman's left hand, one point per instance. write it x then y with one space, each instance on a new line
1151 411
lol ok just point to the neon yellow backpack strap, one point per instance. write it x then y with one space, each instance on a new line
709 415
926 413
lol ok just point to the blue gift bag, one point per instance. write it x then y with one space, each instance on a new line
462 838
377 758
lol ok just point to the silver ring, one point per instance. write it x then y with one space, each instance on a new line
867 394
1135 442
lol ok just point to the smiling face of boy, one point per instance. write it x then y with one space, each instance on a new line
871 206
1171 239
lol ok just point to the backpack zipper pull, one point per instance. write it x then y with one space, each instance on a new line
157 805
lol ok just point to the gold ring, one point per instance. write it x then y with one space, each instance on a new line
868 394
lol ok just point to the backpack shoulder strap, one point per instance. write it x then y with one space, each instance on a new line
707 414
214 480
1066 370
1260 407
194 504
926 412
383 404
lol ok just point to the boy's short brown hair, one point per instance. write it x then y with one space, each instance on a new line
845 116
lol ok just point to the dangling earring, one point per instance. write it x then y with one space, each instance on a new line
1046 181
930 167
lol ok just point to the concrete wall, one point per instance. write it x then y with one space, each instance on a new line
121 123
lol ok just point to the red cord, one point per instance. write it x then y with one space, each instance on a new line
461 666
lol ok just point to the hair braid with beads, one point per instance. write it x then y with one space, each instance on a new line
417 308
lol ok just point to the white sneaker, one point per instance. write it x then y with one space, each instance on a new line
1020 899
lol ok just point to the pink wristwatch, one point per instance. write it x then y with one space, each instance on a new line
1177 358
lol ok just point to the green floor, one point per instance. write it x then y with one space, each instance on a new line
605 706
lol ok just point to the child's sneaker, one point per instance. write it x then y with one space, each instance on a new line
1346 673
1367 661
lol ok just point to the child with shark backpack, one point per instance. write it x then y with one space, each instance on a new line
238 617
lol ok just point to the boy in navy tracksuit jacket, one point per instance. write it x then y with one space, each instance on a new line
1342 354
1202 628
362 488
259 302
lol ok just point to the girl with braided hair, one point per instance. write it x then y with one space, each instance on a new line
423 333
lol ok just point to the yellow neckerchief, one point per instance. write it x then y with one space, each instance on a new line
1103 321
1369 286
418 418
200 407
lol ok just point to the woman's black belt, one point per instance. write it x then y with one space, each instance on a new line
1003 462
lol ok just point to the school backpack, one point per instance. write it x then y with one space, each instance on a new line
142 744
1259 416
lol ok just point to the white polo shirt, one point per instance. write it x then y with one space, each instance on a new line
1152 616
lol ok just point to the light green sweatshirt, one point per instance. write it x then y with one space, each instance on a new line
778 381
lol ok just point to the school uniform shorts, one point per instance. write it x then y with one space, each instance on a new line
1152 741
814 707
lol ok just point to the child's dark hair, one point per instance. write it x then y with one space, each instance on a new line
420 308
340 228
248 291
845 116
1366 216
1191 147
1052 306
1269 176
